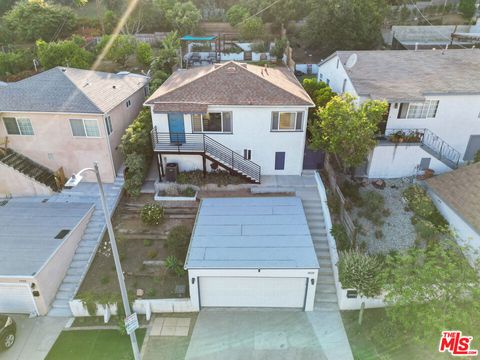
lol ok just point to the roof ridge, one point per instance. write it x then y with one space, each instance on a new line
78 88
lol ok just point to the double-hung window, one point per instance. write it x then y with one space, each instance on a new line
418 110
212 122
287 121
18 126
84 128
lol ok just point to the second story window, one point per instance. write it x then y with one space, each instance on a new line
212 122
418 110
84 128
108 125
287 121
18 126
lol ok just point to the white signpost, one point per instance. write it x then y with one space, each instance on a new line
131 323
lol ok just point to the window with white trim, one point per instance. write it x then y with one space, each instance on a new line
212 122
287 121
84 127
418 110
108 125
18 126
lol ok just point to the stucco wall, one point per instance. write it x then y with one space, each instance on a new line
466 235
54 145
49 278
389 161
15 183
121 117
251 130
330 73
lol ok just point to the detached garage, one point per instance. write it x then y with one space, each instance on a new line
252 252
37 243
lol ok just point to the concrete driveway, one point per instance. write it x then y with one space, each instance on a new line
253 335
35 337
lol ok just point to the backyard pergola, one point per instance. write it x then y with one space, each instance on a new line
207 39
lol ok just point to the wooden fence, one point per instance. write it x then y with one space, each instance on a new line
345 217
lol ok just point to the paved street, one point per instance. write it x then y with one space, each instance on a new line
35 337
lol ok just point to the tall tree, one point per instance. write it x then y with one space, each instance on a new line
433 289
345 24
236 14
346 129
183 17
35 19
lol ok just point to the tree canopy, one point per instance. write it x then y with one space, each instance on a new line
432 289
183 17
122 47
345 24
236 14
36 19
64 53
467 8
251 28
347 130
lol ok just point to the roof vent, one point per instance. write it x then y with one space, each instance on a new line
62 233
351 61
64 69
114 86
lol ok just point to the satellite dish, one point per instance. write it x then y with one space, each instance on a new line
351 61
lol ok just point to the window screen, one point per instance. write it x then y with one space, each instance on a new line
11 126
77 127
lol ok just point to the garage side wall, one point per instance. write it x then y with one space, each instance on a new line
51 275
311 274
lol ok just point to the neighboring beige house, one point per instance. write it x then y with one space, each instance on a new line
64 118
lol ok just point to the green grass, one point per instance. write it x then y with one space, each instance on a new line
94 345
378 339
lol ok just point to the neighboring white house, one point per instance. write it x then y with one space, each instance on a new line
434 105
457 196
252 252
245 118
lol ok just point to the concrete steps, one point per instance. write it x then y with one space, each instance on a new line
87 246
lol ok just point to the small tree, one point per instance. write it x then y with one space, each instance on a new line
120 48
320 93
432 289
15 61
64 53
236 14
251 28
110 20
183 17
144 54
467 8
136 166
347 130
361 272
279 49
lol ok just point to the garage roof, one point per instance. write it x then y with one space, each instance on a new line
266 232
28 230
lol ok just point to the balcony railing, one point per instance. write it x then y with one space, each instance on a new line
427 139
204 144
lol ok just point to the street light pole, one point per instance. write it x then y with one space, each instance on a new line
116 257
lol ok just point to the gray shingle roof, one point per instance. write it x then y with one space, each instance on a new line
28 230
398 75
232 83
70 90
267 232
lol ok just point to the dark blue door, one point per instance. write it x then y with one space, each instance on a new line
176 127
279 161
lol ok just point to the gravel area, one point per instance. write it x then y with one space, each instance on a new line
398 231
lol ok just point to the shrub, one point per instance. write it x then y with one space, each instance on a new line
178 239
361 272
15 62
151 292
152 214
279 49
422 206
352 192
152 254
147 242
171 263
341 238
189 192
136 165
144 54
122 47
373 207
64 53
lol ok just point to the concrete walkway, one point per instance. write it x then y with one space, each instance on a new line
35 337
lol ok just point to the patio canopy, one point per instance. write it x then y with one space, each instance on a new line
198 38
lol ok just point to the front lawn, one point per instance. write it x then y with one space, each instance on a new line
94 345
378 339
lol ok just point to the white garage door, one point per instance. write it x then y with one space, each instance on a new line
16 298
252 292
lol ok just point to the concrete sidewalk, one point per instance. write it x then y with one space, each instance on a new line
35 337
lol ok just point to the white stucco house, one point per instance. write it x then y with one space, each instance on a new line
245 118
456 195
433 119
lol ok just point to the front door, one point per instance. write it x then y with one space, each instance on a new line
472 148
176 128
